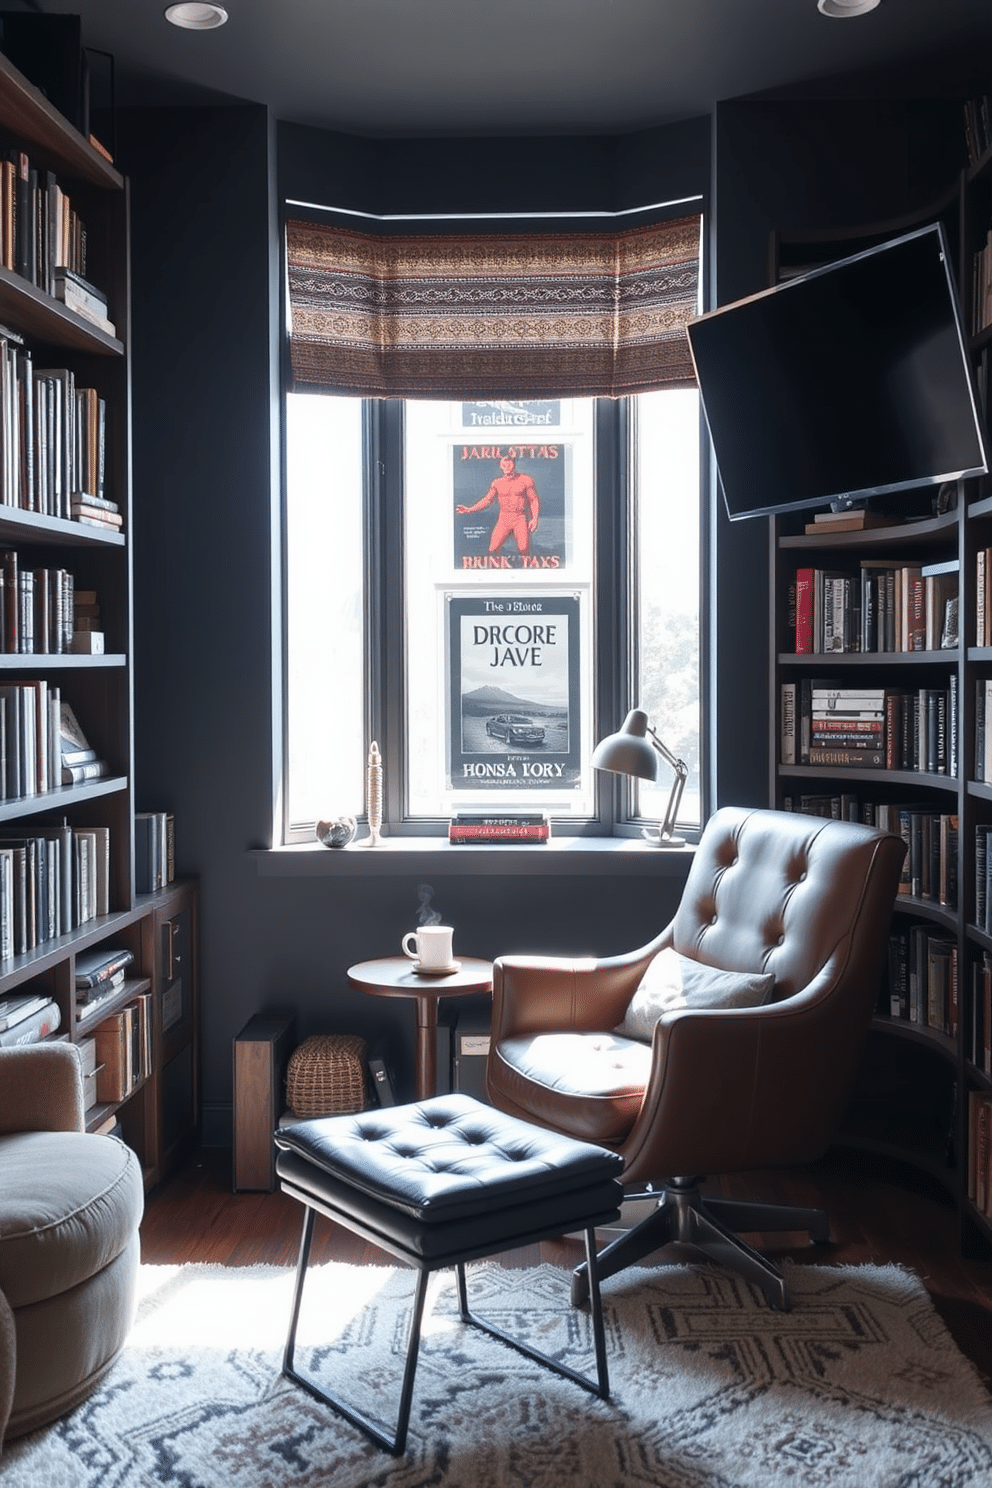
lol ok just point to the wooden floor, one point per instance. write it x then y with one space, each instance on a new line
878 1214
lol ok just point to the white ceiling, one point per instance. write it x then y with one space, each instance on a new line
497 67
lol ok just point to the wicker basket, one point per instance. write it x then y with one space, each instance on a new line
326 1075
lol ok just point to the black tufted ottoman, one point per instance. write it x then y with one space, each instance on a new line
438 1183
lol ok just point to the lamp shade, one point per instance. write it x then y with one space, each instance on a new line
629 751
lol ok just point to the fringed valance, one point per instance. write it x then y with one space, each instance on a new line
502 315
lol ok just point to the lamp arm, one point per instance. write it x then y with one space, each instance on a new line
678 786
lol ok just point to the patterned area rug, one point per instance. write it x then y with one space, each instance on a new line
859 1386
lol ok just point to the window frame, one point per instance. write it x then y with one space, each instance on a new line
614 621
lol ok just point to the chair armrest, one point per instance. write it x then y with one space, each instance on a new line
745 1087
532 994
41 1089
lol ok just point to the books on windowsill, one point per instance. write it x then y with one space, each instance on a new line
505 826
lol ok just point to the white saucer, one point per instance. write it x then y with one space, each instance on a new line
452 966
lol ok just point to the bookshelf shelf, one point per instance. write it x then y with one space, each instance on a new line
34 313
61 660
856 661
929 1037
26 114
69 849
920 532
44 531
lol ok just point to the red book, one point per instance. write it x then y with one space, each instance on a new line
804 611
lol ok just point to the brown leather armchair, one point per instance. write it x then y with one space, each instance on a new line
717 1090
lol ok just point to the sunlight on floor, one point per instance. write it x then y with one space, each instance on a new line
184 1305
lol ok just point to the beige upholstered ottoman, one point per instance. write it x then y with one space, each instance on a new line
70 1206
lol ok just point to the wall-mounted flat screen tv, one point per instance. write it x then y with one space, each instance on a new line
847 383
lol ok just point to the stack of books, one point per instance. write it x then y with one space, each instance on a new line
100 977
80 761
77 294
503 826
27 1018
87 627
847 727
95 511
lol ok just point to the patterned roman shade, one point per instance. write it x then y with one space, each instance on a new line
505 315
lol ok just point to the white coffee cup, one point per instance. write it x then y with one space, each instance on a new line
432 946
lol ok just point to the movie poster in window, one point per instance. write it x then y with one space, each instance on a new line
513 504
513 688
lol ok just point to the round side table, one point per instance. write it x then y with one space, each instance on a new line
394 976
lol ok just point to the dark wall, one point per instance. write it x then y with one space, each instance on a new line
492 175
205 298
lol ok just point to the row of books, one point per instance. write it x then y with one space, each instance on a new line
983 729
124 1049
36 607
873 728
977 127
25 1018
981 286
979 1177
978 1030
51 881
983 877
886 605
930 869
923 978
154 850
40 230
52 439
983 598
505 826
42 746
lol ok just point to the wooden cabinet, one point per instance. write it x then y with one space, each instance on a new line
925 1069
65 436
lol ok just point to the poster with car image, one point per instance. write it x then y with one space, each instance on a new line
513 689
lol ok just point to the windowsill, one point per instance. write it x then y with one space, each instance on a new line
562 857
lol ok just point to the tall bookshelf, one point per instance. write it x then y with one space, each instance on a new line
924 1066
38 331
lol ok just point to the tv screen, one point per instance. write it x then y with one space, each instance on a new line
849 382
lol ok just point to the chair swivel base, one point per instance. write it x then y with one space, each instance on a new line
685 1216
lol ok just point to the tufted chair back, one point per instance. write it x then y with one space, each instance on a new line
807 899
778 892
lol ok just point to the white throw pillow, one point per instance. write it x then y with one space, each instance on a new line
672 981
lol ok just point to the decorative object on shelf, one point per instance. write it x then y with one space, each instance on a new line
374 795
337 832
634 750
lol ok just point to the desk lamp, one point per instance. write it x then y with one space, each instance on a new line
634 750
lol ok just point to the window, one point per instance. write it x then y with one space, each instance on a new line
486 649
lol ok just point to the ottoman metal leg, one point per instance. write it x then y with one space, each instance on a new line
393 1441
601 1385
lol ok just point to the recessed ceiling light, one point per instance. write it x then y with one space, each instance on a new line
845 7
196 16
